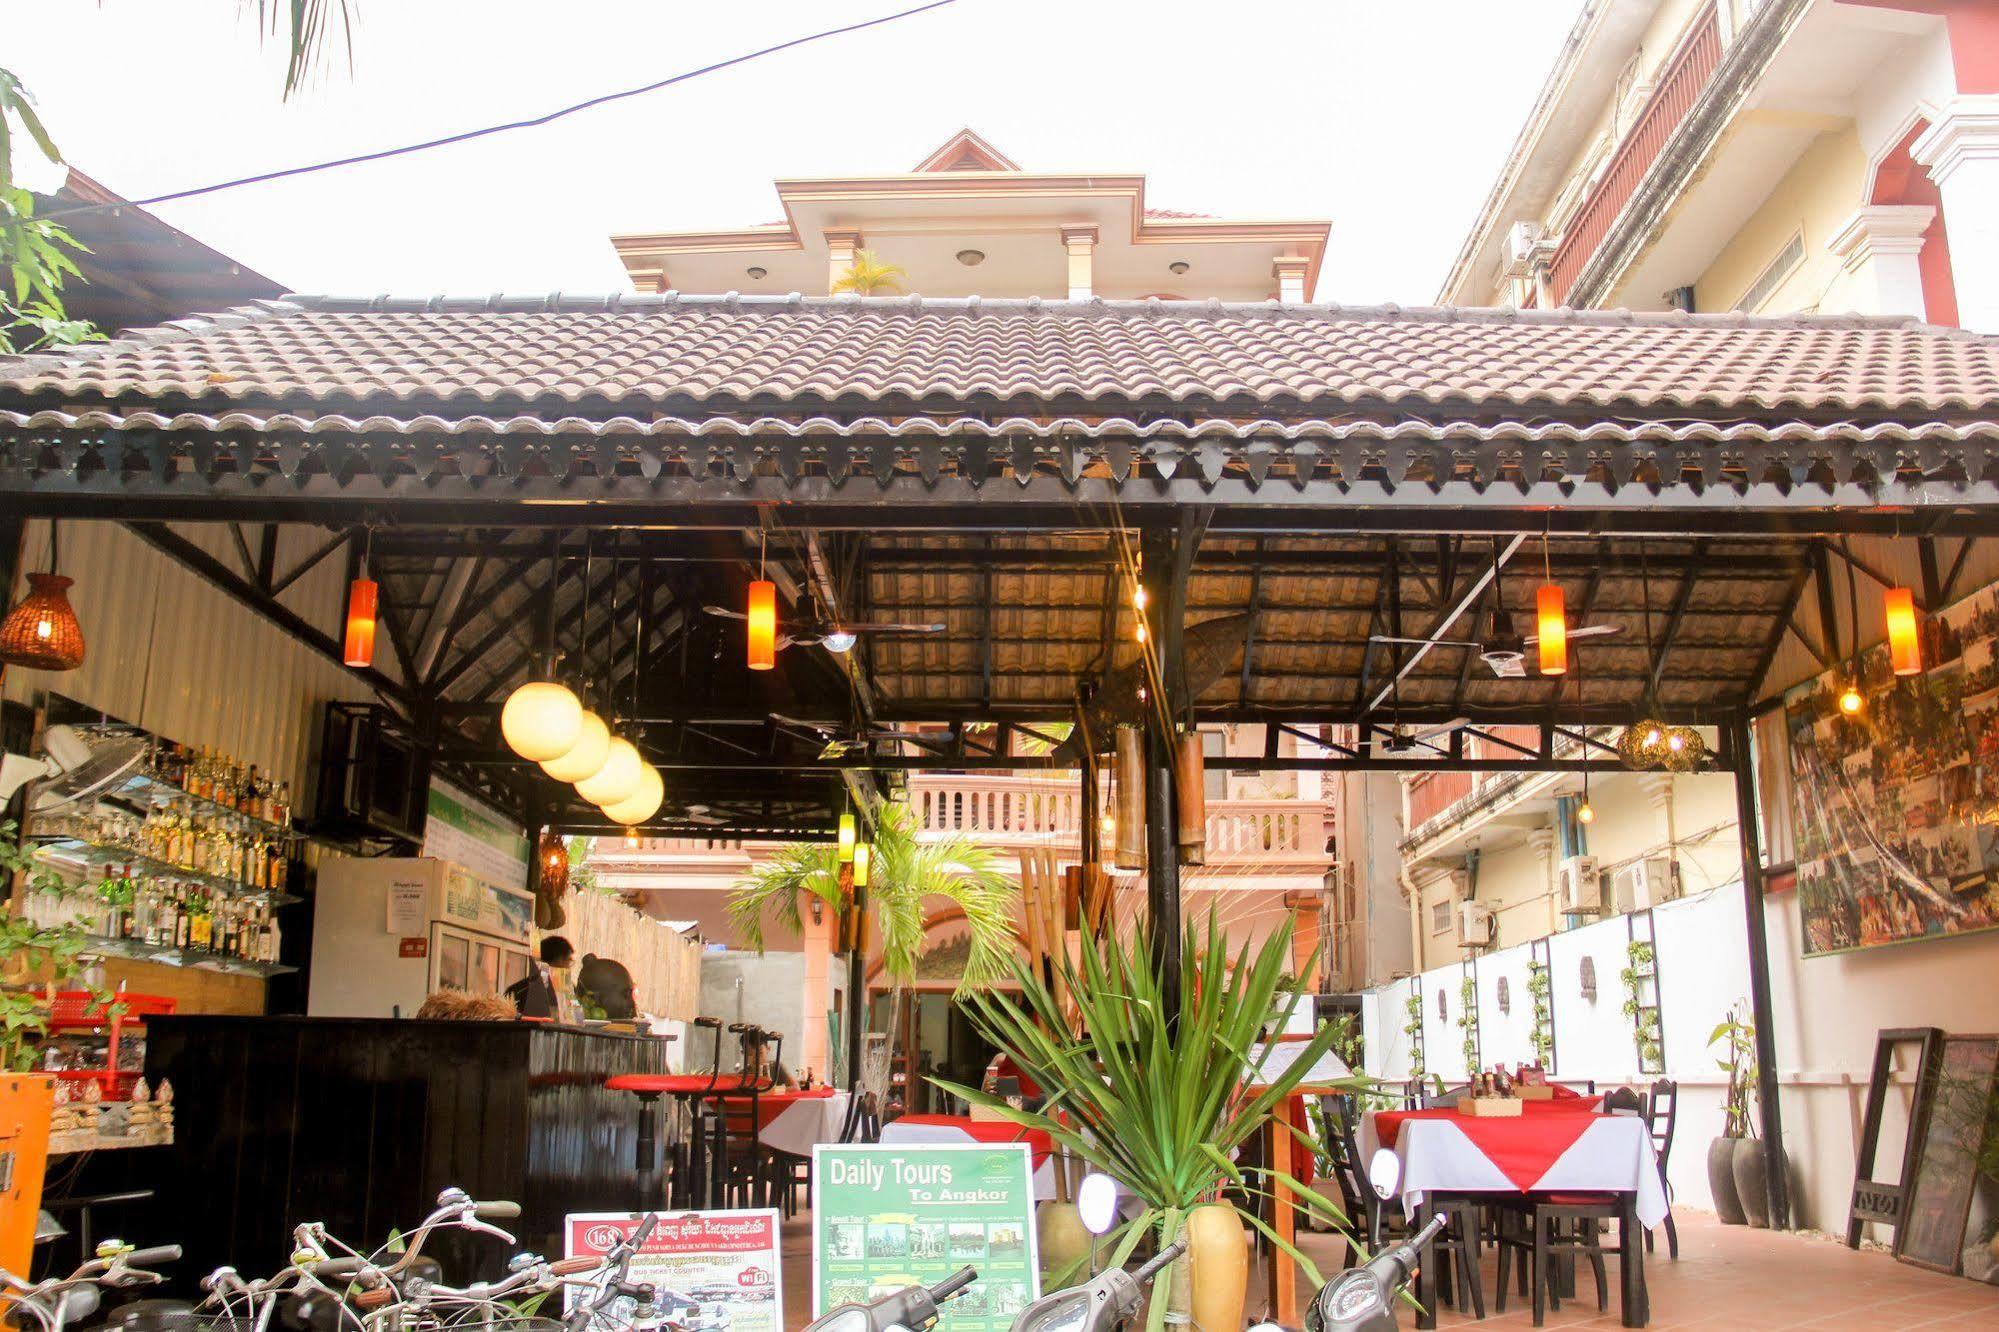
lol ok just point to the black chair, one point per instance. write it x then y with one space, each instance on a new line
1384 1217
1662 1112
1551 1227
1623 1098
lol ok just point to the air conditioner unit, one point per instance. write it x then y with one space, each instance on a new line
1523 239
1644 884
1475 925
1580 886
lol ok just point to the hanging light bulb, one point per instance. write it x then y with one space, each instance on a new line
541 720
617 779
847 834
643 802
1850 701
763 624
1585 812
862 860
582 759
1905 647
1552 629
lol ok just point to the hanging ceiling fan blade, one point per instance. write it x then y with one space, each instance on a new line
1581 631
1421 642
725 612
894 627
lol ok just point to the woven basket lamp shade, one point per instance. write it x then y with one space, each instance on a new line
41 633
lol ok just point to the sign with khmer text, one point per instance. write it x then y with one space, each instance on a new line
710 1271
886 1217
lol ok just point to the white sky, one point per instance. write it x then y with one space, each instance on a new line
1390 117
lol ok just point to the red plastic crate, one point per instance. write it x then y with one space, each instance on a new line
79 1008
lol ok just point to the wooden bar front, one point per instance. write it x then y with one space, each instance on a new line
359 1122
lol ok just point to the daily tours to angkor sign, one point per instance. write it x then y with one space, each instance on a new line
1896 814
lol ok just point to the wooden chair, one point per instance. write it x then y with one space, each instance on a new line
1662 1112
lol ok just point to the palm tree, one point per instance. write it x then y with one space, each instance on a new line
871 275
903 871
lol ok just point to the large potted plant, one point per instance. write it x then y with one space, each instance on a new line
1162 1100
1737 1038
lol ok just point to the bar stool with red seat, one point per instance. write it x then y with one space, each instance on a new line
736 1118
681 1187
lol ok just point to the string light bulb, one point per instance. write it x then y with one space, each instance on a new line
1850 701
1585 812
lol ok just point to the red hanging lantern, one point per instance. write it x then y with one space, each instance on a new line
1905 646
41 632
763 625
358 650
1551 627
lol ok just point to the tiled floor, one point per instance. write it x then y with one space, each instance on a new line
1726 1277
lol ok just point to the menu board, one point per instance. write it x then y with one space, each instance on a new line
711 1271
886 1217
1949 1156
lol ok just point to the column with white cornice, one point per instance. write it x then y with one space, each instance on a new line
1961 151
1081 243
841 247
1881 246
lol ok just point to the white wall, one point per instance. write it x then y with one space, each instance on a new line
1827 1009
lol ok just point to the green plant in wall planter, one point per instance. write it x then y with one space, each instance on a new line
1468 1021
1641 966
1413 1029
1539 988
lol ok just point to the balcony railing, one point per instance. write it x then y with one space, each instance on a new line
1029 811
1680 84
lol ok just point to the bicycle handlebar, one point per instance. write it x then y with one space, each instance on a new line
499 1211
153 1257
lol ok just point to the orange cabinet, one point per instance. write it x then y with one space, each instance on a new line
26 1102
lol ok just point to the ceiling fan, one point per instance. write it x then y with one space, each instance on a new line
836 636
1416 742
1502 649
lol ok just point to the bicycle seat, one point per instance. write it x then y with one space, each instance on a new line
151 1316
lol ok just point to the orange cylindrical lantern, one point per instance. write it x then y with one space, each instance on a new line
1905 645
1552 629
359 648
763 624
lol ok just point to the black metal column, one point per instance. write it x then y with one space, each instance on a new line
1164 644
1739 748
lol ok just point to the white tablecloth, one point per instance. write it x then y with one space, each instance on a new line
806 1121
897 1131
1613 1155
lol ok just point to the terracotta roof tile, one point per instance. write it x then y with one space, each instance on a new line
529 355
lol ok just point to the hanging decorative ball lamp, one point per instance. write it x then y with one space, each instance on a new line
583 759
1643 744
642 803
618 779
763 624
357 647
1552 629
1905 646
41 633
541 720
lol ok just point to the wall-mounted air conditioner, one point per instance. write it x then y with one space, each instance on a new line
1523 242
1579 885
1475 925
1644 884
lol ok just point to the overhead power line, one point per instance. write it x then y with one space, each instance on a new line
468 135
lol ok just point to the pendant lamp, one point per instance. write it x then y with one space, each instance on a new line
642 803
542 719
863 860
1905 647
1551 627
357 645
618 779
41 632
583 759
848 832
762 613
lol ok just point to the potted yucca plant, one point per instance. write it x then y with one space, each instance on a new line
1160 1101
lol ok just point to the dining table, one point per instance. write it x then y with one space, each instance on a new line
915 1129
794 1120
1567 1145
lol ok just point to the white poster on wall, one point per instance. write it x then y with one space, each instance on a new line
476 837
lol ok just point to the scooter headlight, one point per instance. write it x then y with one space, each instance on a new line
1069 1315
1349 1299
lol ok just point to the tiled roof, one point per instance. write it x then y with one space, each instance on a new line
554 356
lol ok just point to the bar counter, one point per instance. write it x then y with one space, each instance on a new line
359 1122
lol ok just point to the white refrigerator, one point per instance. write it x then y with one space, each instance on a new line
386 933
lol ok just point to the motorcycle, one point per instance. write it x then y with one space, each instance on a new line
1363 1299
1104 1303
911 1309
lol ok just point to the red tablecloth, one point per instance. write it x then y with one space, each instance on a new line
1039 1144
1523 1148
771 1104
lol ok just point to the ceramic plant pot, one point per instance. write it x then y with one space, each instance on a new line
1217 1266
1063 1243
1752 1182
1721 1181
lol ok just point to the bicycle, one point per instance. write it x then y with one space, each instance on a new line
53 1303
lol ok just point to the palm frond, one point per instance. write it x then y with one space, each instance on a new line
871 275
310 29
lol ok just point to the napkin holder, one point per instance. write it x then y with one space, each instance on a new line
1544 1091
1489 1107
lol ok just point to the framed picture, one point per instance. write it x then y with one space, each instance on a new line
1945 1171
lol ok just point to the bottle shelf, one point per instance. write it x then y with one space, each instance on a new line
194 958
65 851
146 788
